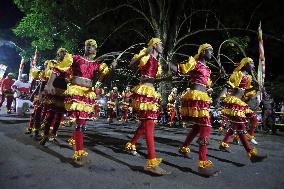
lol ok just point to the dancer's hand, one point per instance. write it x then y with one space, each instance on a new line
113 65
50 89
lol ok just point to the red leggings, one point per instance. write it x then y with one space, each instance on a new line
172 116
35 118
125 113
9 101
243 138
52 119
204 133
253 123
146 126
78 134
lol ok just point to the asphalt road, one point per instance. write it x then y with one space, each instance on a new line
26 164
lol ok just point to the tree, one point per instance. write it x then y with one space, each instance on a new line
117 25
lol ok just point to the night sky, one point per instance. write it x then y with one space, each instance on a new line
10 16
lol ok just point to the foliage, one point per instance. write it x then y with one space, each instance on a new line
116 25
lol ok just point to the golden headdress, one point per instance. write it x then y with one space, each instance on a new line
154 41
243 62
91 42
201 48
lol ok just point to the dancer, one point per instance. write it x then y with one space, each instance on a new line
145 101
236 110
54 109
126 97
79 96
196 105
171 106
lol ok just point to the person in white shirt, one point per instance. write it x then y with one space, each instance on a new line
22 94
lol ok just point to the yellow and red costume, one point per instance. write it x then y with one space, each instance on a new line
34 123
112 96
53 104
236 111
171 106
80 98
195 106
145 103
126 96
99 92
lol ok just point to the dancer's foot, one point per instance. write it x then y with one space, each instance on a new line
208 171
158 170
257 158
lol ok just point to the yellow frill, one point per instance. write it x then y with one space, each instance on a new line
192 112
48 70
80 106
144 59
130 147
153 162
190 65
234 100
184 149
71 141
79 153
250 137
81 91
159 72
236 78
103 70
35 73
65 64
224 144
238 113
145 89
252 152
204 164
196 95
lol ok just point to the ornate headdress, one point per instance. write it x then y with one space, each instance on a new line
201 48
243 62
91 42
154 41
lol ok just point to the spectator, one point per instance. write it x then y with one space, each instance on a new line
267 106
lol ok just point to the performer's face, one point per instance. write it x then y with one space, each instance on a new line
251 64
61 55
25 78
159 48
208 53
90 49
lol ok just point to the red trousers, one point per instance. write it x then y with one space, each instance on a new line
125 113
9 101
78 134
172 116
147 127
253 123
204 133
35 118
52 119
111 113
241 127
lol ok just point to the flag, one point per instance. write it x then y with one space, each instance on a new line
21 67
261 62
2 70
35 58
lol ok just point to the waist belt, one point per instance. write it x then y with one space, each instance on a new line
84 82
199 87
